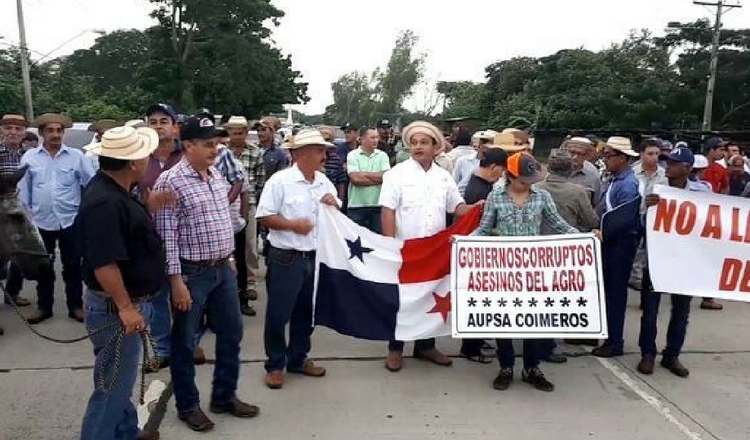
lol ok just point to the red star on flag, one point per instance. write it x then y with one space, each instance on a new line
442 305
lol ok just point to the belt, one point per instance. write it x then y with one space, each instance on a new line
296 253
135 300
216 262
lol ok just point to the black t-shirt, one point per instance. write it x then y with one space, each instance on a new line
114 227
737 184
477 189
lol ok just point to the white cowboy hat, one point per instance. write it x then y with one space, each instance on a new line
237 122
126 143
305 138
136 123
485 135
623 145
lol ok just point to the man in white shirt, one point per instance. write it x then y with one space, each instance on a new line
288 207
415 197
467 165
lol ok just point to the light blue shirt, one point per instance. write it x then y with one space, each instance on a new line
51 188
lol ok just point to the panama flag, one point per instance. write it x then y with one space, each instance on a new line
381 288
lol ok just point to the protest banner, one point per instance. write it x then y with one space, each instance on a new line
528 287
699 244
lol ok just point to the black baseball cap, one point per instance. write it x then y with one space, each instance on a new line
384 123
494 156
348 127
715 142
162 108
201 127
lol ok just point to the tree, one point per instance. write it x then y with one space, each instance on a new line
403 72
353 100
463 99
203 40
692 42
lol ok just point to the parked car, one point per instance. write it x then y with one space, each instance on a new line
76 137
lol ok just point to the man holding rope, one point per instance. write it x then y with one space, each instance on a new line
121 277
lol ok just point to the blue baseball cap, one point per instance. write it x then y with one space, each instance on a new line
680 154
162 108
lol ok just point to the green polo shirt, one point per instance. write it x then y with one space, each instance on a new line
357 161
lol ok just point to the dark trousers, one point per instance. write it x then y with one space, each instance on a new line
546 348
367 217
420 345
678 321
507 356
70 256
290 281
214 294
617 261
14 281
240 244
471 347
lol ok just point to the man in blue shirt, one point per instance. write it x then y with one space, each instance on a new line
51 191
679 164
618 246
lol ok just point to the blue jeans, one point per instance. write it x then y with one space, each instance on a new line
368 217
161 324
289 281
678 321
507 356
617 261
214 292
110 414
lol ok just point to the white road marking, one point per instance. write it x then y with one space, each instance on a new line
654 402
153 393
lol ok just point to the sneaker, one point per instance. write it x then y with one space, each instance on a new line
536 378
503 379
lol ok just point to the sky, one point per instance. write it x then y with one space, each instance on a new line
328 38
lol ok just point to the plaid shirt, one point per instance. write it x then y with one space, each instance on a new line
9 160
503 217
198 227
252 161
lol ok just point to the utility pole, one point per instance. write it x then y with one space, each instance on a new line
25 63
709 105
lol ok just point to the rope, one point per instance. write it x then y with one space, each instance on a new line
113 347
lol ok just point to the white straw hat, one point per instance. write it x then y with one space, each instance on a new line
623 145
126 143
305 138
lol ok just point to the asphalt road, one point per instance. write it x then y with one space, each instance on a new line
45 387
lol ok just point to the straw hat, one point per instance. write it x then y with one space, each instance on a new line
14 120
126 143
305 138
136 123
103 125
237 122
53 118
507 142
425 128
623 145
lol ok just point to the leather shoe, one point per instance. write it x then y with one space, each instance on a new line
20 301
395 361
247 310
235 407
606 351
435 356
674 365
646 365
555 358
199 357
76 314
148 435
252 294
38 316
275 379
197 420
309 369
2 331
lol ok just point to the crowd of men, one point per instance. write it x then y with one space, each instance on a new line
164 220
